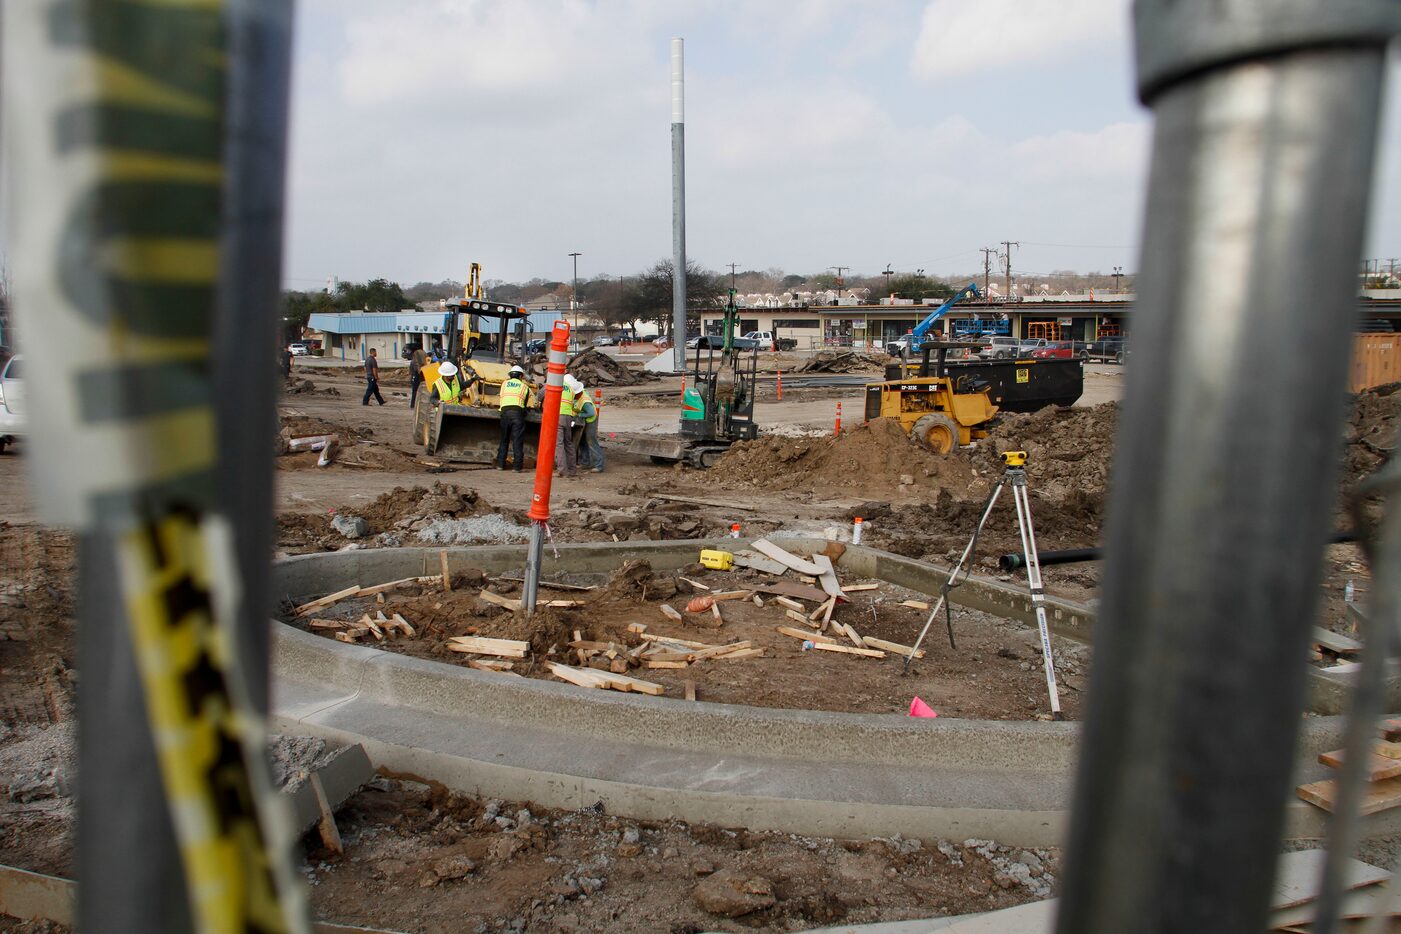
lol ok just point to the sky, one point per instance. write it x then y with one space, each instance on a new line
430 134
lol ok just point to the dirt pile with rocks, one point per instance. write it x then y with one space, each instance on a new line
1371 432
390 520
356 448
596 368
843 361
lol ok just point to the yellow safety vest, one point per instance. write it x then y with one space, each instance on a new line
514 392
448 392
566 403
593 407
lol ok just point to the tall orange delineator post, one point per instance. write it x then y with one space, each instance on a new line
539 512
838 430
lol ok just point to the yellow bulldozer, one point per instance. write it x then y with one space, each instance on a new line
470 429
939 411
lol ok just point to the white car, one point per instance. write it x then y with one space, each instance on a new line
12 420
298 349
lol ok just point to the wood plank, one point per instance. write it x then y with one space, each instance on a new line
350 637
827 613
637 627
696 584
796 617
742 653
388 585
648 663
447 575
403 625
328 623
701 502
322 602
792 589
858 588
562 604
828 578
758 601
372 626
507 648
671 613
806 635
1297 876
509 603
549 585
915 604
1379 796
685 643
853 635
757 562
583 677
717 650
715 611
1355 905
490 664
817 613
1379 768
1388 749
326 824
1335 642
635 685
848 650
789 560
690 689
732 595
667 656
790 604
893 647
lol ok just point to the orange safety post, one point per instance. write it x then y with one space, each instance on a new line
539 512
838 430
780 385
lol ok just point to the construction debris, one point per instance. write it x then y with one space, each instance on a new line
594 368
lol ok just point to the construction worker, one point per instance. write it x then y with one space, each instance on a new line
590 451
566 460
515 392
446 387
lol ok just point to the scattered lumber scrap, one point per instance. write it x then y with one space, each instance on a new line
793 589
330 599
638 628
1378 796
684 643
848 650
477 645
701 502
852 634
490 664
806 636
508 603
549 585
671 613
690 689
447 575
732 595
828 577
696 584
1334 642
1296 889
789 560
593 678
328 623
892 647
757 562
857 588
796 616
790 604
388 585
1379 768
1389 749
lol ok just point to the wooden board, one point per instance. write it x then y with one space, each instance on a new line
328 623
322 602
648 663
1379 796
1356 905
687 643
671 613
757 562
548 585
791 561
853 635
742 653
1379 768
796 617
790 604
915 604
490 664
793 589
893 647
701 502
696 584
509 603
1388 749
690 689
638 628
857 588
447 575
827 577
1335 642
805 635
717 650
1297 876
848 650
732 595
402 625
389 585
507 648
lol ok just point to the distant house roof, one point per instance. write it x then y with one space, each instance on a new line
420 322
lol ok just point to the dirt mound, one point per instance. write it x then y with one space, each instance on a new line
843 361
1069 450
596 368
875 456
390 519
356 448
1371 432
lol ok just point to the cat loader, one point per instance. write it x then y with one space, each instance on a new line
470 430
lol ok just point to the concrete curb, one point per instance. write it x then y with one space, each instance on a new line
809 772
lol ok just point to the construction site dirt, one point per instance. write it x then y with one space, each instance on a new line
796 479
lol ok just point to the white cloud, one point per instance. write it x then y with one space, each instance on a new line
1119 150
965 37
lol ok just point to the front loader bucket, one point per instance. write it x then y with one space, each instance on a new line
472 434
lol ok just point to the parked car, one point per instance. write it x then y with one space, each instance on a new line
717 342
661 343
13 424
1000 348
1058 350
1108 348
765 340
298 349
538 345
604 340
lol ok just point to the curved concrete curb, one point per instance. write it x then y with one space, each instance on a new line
810 772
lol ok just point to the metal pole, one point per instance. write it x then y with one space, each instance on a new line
539 513
1262 159
678 206
574 302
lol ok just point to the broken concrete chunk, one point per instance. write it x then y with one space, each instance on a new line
733 894
351 526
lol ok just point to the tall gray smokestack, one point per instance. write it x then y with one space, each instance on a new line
678 205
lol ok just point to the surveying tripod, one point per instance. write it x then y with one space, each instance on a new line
1015 477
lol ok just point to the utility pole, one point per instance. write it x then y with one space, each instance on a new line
574 302
839 280
1007 263
1118 278
988 253
678 207
733 266
887 272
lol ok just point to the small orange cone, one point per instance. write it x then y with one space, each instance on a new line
919 708
780 385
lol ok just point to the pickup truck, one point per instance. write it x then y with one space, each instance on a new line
1108 348
765 340
13 423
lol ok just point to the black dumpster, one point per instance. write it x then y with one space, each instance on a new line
1014 385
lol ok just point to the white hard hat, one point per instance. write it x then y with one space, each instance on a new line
573 383
447 369
515 369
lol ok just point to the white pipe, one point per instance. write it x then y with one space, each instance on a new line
678 82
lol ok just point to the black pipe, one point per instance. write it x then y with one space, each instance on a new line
1017 560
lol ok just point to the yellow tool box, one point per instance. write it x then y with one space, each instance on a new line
717 560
